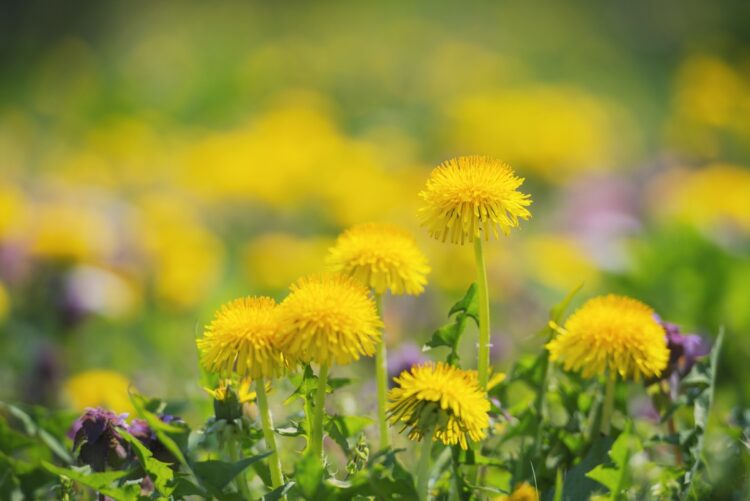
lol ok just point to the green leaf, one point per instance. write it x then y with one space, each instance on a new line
160 428
278 493
33 430
99 481
449 335
160 473
559 488
469 304
577 485
308 475
215 475
615 477
703 371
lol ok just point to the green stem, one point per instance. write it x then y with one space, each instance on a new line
484 314
320 402
609 403
381 378
234 447
277 480
423 469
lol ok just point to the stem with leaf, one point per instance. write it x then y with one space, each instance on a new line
381 377
609 403
423 469
234 447
277 479
484 314
320 402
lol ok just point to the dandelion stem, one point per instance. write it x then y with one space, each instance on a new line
381 377
320 402
484 314
423 469
234 447
609 403
277 480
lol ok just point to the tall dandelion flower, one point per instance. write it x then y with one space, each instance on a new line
441 402
384 258
611 335
242 339
468 196
328 319
464 198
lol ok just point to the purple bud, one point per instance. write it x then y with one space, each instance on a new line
404 358
96 438
684 349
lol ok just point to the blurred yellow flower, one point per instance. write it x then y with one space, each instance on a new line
382 257
274 260
98 388
468 196
4 303
710 197
327 319
242 338
554 132
71 231
185 258
440 400
522 492
558 261
612 334
13 212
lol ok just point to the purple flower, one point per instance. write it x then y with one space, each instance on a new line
140 429
684 350
404 358
97 440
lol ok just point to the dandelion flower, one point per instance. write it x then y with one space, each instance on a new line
381 256
328 318
242 338
614 334
468 196
441 400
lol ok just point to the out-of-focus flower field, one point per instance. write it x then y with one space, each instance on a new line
160 159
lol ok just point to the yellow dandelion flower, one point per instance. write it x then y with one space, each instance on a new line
98 388
328 318
468 196
442 400
613 334
242 390
381 256
242 338
523 492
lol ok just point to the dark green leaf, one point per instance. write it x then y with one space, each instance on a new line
100 482
216 475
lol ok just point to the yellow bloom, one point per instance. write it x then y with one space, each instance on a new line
613 334
467 196
523 492
442 400
99 388
4 303
381 256
243 338
328 318
243 391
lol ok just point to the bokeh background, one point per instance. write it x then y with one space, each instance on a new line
160 158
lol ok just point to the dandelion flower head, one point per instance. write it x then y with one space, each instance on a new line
329 318
614 334
467 196
99 388
242 338
441 400
382 257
